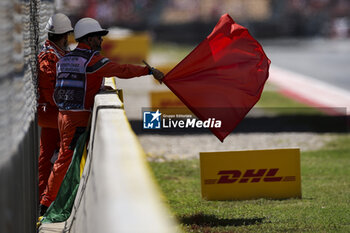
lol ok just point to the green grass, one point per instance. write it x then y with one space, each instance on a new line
274 102
271 99
325 206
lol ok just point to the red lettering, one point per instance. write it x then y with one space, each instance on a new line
250 174
289 178
270 175
235 174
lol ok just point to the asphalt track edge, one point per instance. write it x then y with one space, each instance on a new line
311 91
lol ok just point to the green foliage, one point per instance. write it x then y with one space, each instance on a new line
274 102
325 206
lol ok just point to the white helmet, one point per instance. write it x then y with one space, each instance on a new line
59 24
88 25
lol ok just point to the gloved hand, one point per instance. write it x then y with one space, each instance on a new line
157 74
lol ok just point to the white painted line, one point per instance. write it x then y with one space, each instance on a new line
310 90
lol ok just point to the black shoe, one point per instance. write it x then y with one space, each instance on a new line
42 209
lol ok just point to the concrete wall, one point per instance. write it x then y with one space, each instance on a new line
117 192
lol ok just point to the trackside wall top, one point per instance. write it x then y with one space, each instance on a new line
223 77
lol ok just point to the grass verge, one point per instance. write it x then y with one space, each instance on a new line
273 102
325 206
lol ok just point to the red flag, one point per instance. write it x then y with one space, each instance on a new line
223 77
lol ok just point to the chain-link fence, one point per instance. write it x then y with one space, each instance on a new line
21 31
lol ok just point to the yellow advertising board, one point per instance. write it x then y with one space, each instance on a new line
243 175
165 68
168 103
130 48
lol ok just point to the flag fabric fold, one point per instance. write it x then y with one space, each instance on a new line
60 209
223 77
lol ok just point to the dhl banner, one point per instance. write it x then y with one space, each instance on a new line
123 48
243 175
129 49
167 102
165 68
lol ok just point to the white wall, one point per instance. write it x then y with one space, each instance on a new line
117 192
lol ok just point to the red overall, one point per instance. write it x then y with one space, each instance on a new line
98 67
47 110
